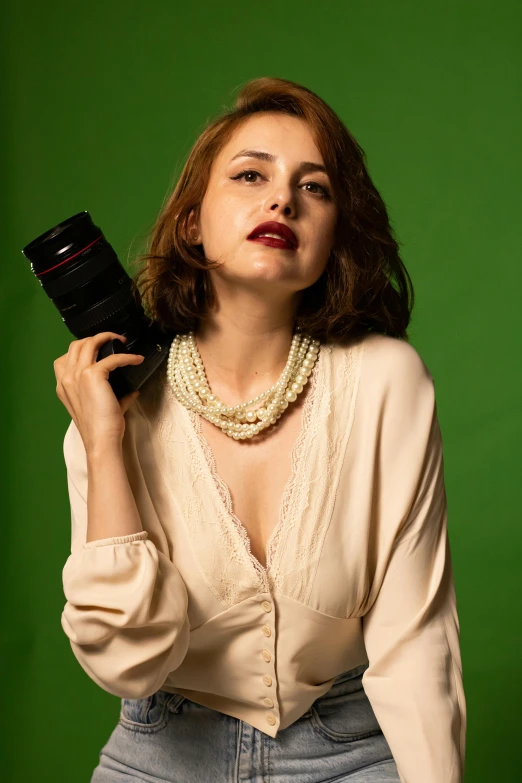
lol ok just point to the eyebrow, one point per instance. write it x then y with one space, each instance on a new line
305 165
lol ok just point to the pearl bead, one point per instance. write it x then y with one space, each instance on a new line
186 376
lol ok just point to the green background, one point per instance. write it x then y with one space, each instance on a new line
102 103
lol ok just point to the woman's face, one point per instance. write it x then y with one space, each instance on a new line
244 191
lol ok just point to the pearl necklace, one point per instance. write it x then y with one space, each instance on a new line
187 378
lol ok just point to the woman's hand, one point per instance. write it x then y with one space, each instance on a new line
82 385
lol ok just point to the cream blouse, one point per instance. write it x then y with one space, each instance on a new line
359 568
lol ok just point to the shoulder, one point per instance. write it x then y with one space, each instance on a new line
391 360
390 369
383 354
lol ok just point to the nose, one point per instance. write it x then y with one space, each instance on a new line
281 199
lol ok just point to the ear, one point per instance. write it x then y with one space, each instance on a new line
193 233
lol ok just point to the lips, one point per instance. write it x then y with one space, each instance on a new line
285 236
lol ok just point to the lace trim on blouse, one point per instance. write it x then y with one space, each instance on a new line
219 540
295 459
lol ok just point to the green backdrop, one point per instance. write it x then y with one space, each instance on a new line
102 103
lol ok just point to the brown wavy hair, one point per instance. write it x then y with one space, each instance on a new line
365 285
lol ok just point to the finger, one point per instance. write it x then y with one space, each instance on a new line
89 349
59 366
71 356
67 362
105 366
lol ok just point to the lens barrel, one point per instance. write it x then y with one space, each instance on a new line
82 275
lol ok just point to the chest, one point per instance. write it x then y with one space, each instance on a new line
256 471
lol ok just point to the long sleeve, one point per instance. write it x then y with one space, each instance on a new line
126 610
411 632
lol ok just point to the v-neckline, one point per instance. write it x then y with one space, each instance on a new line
221 489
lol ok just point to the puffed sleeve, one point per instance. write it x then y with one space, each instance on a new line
411 632
126 611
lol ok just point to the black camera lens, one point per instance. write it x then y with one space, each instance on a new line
82 275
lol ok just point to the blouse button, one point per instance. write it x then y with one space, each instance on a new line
266 630
268 702
267 606
267 679
266 655
271 719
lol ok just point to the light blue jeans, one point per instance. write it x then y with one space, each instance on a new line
166 738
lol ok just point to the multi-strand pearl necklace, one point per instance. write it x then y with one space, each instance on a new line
187 378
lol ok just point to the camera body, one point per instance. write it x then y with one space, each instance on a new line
81 274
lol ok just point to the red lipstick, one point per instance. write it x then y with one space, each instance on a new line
285 239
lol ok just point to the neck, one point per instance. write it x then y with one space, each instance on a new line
244 348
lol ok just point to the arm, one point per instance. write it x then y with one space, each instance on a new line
126 610
411 632
111 506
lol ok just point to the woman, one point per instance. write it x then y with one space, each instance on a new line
260 567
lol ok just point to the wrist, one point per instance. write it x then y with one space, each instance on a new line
101 450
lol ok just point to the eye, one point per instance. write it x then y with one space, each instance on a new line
246 171
325 193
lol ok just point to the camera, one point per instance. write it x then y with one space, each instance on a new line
81 274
